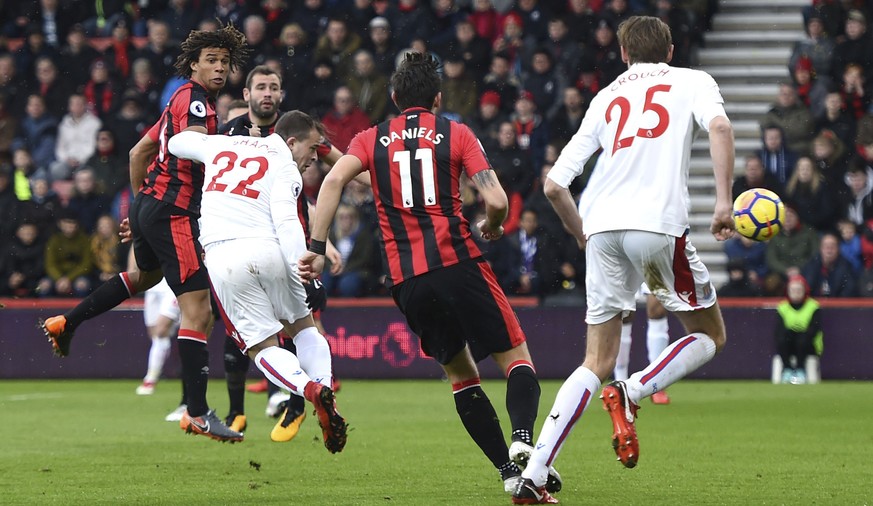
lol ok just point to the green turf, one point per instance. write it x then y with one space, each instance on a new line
95 442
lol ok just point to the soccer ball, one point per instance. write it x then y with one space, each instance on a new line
758 214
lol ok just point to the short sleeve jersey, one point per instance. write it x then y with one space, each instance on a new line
170 179
415 162
251 185
645 122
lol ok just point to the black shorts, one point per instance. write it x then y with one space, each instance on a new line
459 305
165 237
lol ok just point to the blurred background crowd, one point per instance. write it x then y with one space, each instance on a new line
82 80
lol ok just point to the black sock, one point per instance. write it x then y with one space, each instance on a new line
105 297
297 404
479 418
522 402
236 365
195 372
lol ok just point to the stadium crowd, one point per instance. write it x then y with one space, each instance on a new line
82 80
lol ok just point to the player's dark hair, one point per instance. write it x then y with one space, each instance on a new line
296 124
416 81
226 37
262 70
646 39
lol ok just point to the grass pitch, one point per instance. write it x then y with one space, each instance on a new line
719 442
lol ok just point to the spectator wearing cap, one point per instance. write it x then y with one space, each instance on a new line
338 45
486 122
77 138
501 80
531 130
345 119
606 54
160 52
817 46
475 50
68 260
381 45
459 89
101 91
76 57
37 132
811 89
856 48
368 86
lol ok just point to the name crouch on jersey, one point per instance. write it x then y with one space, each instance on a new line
411 133
635 77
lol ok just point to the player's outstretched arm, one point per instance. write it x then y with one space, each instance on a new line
496 204
346 168
188 144
721 148
565 207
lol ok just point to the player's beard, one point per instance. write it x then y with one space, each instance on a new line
260 113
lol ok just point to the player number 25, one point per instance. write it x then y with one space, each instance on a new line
624 109
243 188
404 161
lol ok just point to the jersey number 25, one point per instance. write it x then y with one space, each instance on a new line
624 109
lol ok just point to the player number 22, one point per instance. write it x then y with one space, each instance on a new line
404 160
624 109
243 187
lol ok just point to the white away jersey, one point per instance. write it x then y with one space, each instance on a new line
644 121
250 189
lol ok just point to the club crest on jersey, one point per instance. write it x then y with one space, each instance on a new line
198 109
295 190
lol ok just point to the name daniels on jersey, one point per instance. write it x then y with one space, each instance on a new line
636 77
411 133
254 143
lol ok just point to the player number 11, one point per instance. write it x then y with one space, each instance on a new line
624 110
404 160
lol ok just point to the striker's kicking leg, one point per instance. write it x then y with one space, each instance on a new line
292 418
657 339
236 365
622 362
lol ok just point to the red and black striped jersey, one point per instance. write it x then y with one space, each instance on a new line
174 180
415 162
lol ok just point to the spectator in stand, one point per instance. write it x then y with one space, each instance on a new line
544 83
513 165
24 171
501 80
121 51
809 194
790 250
531 131
739 284
359 13
76 58
8 127
484 20
130 122
475 50
160 52
338 44
260 47
9 204
682 29
581 20
445 16
68 261
856 48
319 90
536 259
11 85
829 155
811 88
850 244
486 123
828 274
835 118
535 16
110 168
866 233
831 14
512 42
864 136
755 176
295 56
778 160
53 19
181 16
87 204
569 116
105 248
459 90
40 210
410 20
614 12
345 120
381 45
77 138
855 93
312 15
818 47
751 254
795 120
144 84
229 12
358 251
564 51
606 53
368 86
37 132
101 16
21 264
858 203
33 48
101 92
51 87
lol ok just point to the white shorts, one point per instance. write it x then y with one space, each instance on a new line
255 288
618 262
160 301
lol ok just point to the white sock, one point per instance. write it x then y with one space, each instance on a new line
158 354
282 368
623 360
572 400
657 337
675 362
314 354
